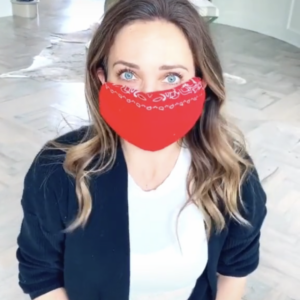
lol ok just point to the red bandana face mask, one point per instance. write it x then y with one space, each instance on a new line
152 121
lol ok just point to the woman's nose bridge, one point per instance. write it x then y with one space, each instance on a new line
149 85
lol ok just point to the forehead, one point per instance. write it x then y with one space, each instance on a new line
155 42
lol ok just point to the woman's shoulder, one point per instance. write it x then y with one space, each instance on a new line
47 169
46 183
74 137
53 152
240 252
252 201
252 191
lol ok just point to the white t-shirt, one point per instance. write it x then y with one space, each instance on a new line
167 257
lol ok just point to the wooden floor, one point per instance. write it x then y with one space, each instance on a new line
267 108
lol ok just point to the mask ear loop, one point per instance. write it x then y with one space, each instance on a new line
208 91
103 66
105 73
198 73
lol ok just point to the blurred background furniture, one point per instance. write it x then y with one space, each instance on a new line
25 8
207 9
276 18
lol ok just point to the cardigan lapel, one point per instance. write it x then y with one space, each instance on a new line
110 212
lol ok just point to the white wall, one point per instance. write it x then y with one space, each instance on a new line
5 8
276 18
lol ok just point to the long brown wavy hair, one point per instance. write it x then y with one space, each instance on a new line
219 163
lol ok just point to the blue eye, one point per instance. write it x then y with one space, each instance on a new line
127 75
172 79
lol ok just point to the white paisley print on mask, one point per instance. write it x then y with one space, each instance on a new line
193 87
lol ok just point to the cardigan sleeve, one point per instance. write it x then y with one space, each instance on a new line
41 239
240 254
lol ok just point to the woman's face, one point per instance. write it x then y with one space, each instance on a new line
150 56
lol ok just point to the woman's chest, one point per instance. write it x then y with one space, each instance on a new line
130 249
121 235
168 244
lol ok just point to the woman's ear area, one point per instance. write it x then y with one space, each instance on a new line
204 84
199 74
101 75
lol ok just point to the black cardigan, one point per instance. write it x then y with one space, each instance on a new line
93 263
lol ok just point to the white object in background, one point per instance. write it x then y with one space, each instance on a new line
234 78
39 62
27 10
206 8
5 8
277 18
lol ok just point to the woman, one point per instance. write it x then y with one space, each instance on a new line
157 199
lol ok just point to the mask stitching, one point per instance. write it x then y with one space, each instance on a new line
165 96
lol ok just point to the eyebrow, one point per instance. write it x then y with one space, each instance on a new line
127 64
170 67
163 68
